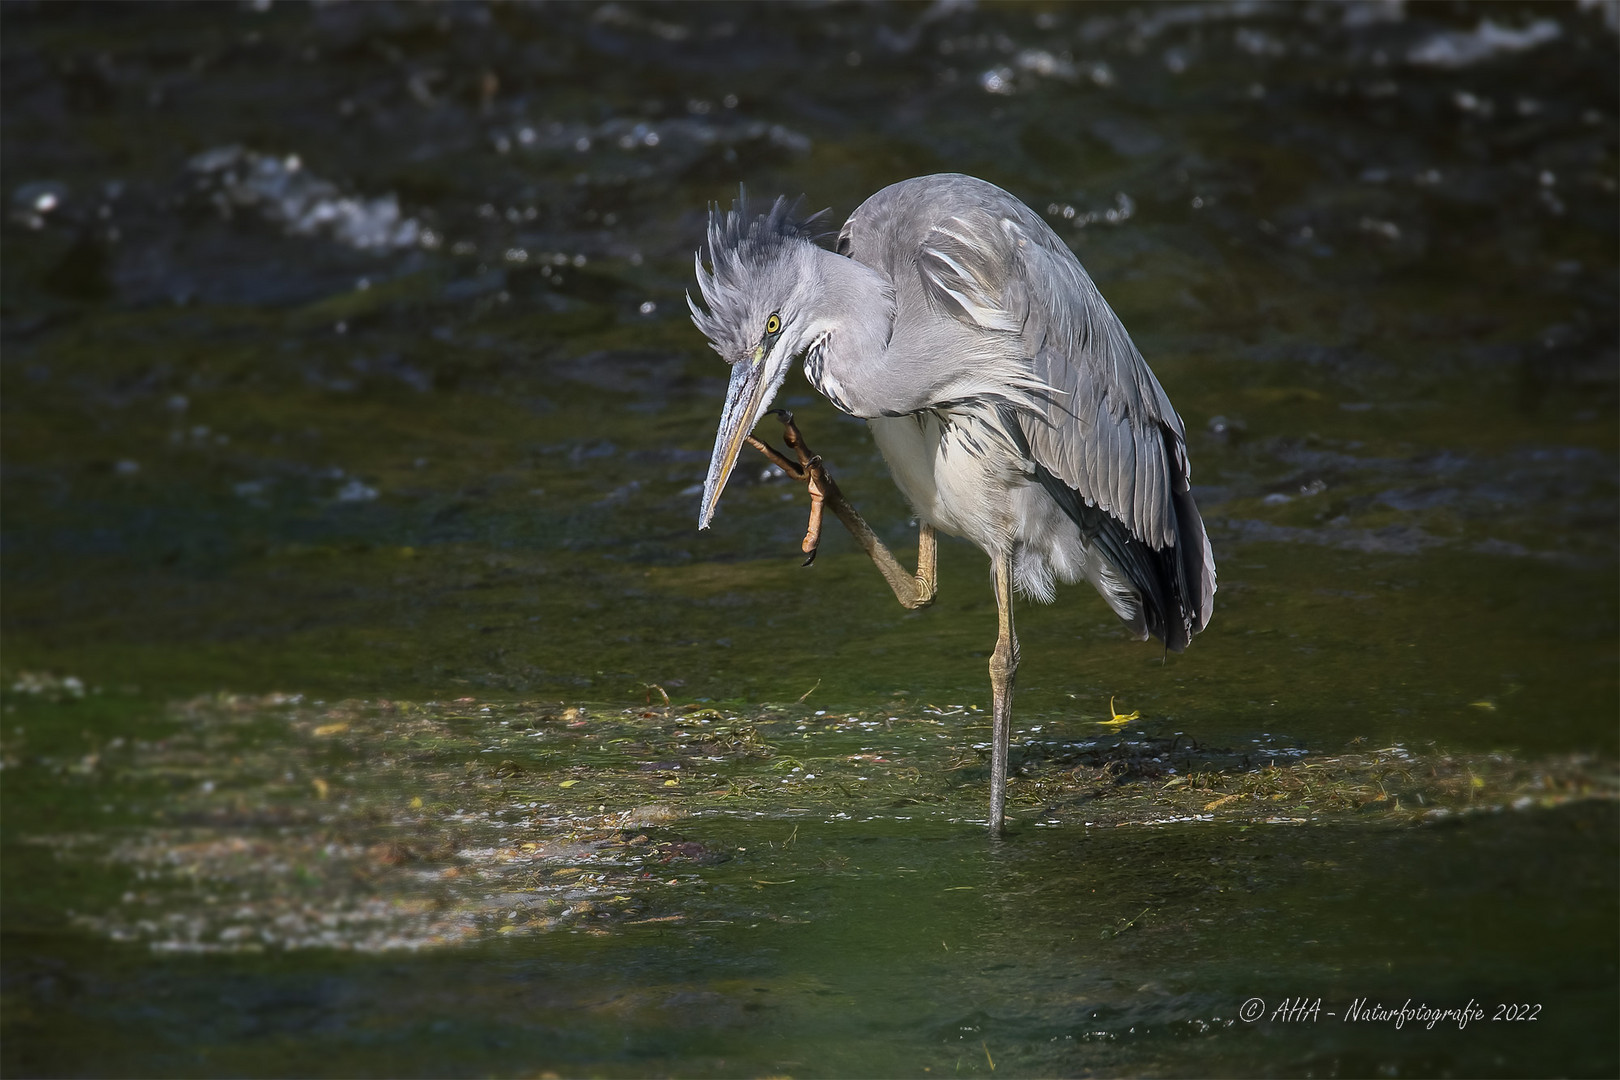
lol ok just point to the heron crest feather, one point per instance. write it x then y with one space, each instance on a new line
745 253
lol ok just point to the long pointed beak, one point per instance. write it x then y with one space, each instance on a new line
746 398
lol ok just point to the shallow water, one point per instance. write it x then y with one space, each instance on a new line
352 433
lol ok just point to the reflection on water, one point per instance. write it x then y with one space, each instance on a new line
345 355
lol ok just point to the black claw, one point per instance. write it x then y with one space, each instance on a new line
810 559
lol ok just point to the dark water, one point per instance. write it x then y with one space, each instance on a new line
352 433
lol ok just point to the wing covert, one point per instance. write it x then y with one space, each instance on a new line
1103 426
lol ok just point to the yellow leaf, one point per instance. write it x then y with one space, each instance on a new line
671 783
321 787
568 783
1488 706
1117 717
332 729
416 803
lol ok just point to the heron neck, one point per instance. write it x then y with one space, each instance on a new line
856 312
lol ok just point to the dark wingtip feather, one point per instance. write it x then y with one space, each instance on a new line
1176 583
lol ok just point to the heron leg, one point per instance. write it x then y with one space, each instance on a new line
912 590
927 565
1003 668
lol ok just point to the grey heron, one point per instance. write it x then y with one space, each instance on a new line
1002 390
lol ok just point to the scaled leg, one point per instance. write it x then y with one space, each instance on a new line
1003 669
912 590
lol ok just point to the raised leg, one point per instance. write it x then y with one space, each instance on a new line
912 590
1003 668
927 564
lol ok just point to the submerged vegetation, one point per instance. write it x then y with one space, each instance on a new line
274 822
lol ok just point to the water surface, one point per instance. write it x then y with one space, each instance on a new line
352 434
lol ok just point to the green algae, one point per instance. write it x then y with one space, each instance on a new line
711 883
275 823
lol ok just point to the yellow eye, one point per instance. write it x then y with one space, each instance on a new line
773 325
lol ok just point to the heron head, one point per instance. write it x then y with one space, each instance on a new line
759 291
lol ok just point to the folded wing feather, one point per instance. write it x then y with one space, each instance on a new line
1102 424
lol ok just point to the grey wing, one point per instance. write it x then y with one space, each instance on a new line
1102 436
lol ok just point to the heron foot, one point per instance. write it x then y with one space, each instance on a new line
808 469
912 590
